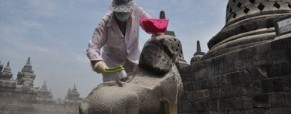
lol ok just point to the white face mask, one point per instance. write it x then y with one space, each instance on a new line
122 16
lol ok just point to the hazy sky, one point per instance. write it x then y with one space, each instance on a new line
55 34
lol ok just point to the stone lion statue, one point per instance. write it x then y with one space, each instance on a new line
153 89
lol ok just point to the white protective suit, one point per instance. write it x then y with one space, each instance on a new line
118 49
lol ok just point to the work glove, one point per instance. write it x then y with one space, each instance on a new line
99 67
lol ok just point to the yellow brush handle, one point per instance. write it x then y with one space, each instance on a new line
114 69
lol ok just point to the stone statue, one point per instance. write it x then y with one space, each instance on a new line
153 89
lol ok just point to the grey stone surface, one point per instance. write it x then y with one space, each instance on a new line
154 89
247 69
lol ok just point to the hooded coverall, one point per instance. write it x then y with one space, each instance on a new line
117 49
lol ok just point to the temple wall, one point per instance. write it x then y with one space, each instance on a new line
38 109
252 80
13 102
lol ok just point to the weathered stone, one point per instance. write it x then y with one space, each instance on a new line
159 62
261 101
154 88
257 111
267 86
277 99
240 103
287 84
247 69
200 106
215 93
277 85
213 104
188 86
277 56
288 99
277 111
200 95
200 84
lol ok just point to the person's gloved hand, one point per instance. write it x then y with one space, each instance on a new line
99 67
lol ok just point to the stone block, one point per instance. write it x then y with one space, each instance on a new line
257 74
200 84
201 106
215 93
224 104
287 83
272 85
186 107
247 53
277 99
219 80
237 90
247 89
280 44
186 77
281 69
200 74
216 65
237 112
200 95
277 84
184 96
260 59
286 111
228 65
216 70
226 92
261 101
257 111
238 78
267 86
288 99
189 97
244 63
277 56
184 70
214 82
213 104
240 103
262 49
225 81
179 106
228 68
198 66
277 111
188 86
262 72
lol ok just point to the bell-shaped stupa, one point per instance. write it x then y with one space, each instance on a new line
248 22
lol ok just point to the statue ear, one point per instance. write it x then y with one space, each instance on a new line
173 47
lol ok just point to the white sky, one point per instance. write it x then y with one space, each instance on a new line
55 34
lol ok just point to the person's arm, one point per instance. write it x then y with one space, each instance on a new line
142 13
98 40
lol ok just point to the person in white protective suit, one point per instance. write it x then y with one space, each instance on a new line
118 35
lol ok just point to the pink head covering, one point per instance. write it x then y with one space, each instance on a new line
154 26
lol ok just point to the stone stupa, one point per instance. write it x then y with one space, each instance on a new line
247 69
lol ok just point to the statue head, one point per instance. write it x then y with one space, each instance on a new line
159 55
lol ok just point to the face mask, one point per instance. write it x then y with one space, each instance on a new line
122 16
